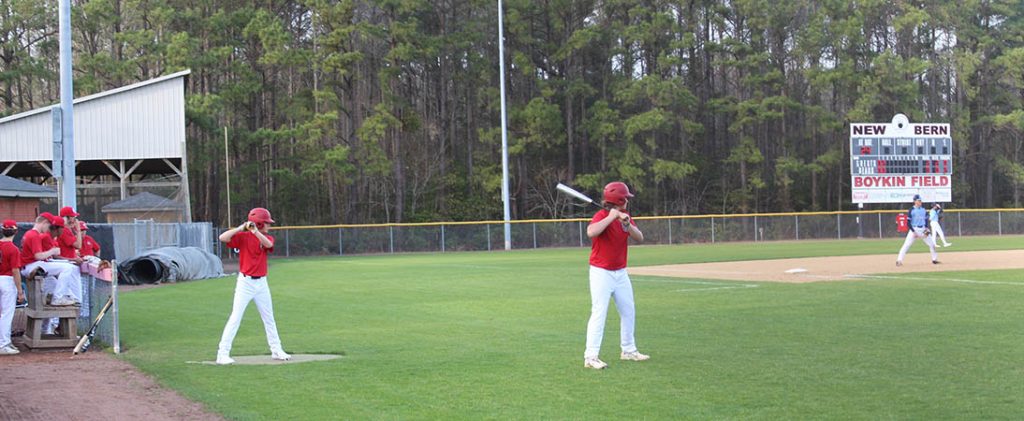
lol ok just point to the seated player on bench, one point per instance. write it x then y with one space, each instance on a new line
62 279
10 284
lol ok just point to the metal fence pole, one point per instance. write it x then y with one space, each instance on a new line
797 219
580 223
341 245
442 238
755 228
1000 216
287 244
669 230
879 225
488 237
839 227
115 322
712 230
391 238
959 226
534 235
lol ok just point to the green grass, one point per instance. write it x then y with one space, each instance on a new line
500 335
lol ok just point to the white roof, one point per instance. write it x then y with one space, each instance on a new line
145 120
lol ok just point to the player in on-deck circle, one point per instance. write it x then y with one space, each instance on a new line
253 243
935 222
918 231
610 231
10 284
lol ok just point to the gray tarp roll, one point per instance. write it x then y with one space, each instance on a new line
171 264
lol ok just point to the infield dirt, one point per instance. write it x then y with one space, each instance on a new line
818 269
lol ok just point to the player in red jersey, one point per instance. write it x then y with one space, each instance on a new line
610 231
253 243
10 284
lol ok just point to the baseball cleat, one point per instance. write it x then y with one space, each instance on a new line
281 356
225 360
947 244
9 350
594 363
935 262
634 356
899 263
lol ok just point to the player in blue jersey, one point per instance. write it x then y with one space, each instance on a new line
918 217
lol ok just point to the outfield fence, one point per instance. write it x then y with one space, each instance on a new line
344 239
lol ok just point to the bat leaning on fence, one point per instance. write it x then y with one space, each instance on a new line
83 344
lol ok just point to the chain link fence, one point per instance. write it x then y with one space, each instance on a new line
489 235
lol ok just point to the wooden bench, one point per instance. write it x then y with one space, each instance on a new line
39 311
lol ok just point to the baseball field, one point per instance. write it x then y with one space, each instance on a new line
500 335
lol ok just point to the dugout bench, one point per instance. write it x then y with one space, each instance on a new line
39 311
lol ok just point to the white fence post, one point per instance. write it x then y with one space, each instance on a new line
839 226
755 228
669 230
879 225
341 245
1000 216
580 223
534 235
442 238
391 238
797 219
959 225
488 237
287 244
712 230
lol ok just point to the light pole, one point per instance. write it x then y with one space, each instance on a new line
504 129
68 194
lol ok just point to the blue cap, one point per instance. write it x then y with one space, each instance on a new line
917 197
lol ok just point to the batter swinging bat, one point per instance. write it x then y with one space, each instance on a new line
83 344
573 193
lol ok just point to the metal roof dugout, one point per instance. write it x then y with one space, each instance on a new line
129 138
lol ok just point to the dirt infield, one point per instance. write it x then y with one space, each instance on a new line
53 386
818 269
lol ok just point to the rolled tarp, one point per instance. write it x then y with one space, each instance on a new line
170 264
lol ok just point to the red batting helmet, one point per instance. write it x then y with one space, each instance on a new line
260 216
616 193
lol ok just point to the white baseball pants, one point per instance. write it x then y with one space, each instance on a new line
8 299
605 284
62 279
250 289
937 231
915 234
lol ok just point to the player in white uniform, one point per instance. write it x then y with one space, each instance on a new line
935 221
918 230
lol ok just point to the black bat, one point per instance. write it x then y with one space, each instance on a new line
575 194
83 344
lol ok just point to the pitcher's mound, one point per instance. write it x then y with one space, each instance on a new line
266 360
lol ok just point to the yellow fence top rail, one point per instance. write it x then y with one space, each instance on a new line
639 218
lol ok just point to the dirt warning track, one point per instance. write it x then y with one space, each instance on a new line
817 269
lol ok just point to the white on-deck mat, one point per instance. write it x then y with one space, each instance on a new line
266 360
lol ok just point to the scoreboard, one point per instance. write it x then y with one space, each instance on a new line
891 162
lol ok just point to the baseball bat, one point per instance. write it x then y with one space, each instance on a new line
83 344
575 194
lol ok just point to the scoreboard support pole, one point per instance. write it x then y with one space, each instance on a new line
860 222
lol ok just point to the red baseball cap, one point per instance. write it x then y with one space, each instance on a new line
57 221
82 226
68 211
10 223
49 216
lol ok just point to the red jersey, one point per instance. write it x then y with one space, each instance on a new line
33 242
252 257
89 246
47 240
609 250
66 242
902 224
10 258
